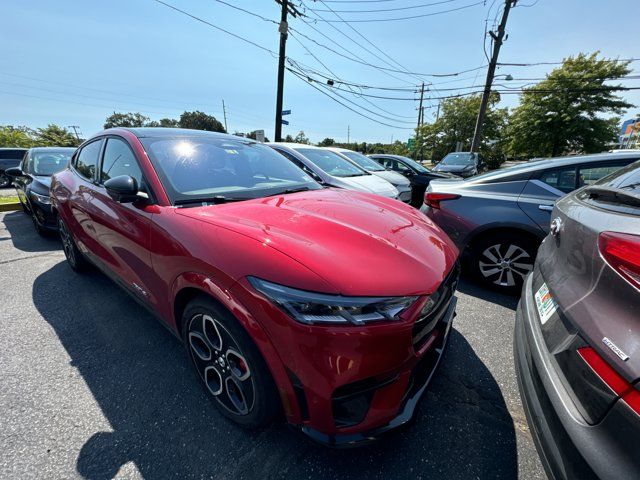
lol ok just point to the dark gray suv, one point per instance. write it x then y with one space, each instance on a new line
498 219
577 334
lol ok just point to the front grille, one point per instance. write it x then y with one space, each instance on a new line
442 297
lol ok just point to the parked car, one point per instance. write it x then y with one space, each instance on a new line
399 181
463 164
272 282
498 219
418 175
32 179
577 336
9 158
333 170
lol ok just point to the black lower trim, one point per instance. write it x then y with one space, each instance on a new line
421 377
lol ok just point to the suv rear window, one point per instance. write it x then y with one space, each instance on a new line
12 154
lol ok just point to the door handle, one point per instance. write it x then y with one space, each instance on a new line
546 208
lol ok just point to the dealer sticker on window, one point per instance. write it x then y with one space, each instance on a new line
547 306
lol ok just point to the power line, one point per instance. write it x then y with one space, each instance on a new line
249 12
396 19
201 20
395 9
348 107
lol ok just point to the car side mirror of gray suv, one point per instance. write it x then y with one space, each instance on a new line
123 189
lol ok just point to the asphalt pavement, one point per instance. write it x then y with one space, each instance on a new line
92 386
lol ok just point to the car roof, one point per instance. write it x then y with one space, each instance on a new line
14 148
293 145
51 149
161 132
557 162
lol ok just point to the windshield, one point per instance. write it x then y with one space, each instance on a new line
415 165
362 161
331 162
458 159
45 163
201 167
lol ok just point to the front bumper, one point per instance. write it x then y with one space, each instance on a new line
420 375
569 447
43 215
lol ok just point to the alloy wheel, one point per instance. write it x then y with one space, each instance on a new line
67 243
505 265
221 365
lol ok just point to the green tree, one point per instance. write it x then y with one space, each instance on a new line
327 142
301 138
453 130
55 136
289 139
163 122
564 112
11 136
129 119
200 121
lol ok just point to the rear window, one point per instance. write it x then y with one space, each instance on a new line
627 178
618 192
12 154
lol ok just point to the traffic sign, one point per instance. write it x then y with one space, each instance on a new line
286 112
410 143
284 122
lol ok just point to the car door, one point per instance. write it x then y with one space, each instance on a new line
122 229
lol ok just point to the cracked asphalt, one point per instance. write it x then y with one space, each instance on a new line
92 386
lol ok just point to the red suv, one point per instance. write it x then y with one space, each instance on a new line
331 305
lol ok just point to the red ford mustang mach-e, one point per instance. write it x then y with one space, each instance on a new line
331 305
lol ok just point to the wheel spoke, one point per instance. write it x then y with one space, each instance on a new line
211 332
510 280
199 346
489 254
238 365
213 380
236 395
524 266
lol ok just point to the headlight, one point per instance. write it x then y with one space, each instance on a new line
40 198
310 307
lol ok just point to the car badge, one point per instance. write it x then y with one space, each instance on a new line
556 226
623 356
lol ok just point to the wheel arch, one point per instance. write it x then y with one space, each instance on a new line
191 286
533 234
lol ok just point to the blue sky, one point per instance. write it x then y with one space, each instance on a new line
74 62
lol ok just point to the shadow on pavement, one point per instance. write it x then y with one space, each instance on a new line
24 236
470 287
163 422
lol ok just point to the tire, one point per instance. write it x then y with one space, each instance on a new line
502 261
5 181
229 365
75 259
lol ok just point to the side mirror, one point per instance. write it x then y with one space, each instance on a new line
123 189
14 172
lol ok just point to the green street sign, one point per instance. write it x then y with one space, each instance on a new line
410 143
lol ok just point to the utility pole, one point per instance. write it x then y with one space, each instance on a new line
420 113
75 130
348 133
287 8
497 39
224 113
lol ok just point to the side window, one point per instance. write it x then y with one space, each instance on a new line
590 175
87 159
300 165
401 167
564 179
119 160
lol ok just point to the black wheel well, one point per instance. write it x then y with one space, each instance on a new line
183 298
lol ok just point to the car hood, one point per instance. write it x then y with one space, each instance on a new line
394 178
46 181
370 184
360 244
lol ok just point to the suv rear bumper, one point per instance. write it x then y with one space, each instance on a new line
568 446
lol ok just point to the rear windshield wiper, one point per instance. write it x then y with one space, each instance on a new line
214 200
612 195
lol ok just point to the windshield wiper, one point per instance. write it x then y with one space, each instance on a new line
214 200
289 190
612 195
